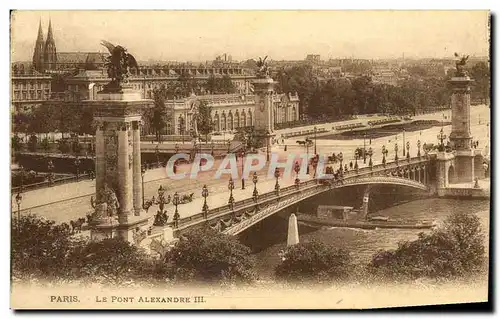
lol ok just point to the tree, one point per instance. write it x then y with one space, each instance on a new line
454 250
110 261
314 261
209 256
39 248
481 74
159 113
204 119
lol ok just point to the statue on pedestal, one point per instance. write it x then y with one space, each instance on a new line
118 64
109 197
460 65
264 71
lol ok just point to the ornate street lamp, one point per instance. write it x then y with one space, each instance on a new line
441 136
296 168
396 152
370 153
277 185
404 131
143 172
230 186
341 158
384 153
418 147
176 202
50 168
204 193
19 199
176 148
228 146
408 151
356 167
77 164
426 150
255 179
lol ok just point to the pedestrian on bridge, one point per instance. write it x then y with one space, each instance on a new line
350 165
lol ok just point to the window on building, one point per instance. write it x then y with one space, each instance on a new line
16 95
39 94
24 95
39 85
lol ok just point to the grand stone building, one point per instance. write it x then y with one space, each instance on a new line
229 112
29 88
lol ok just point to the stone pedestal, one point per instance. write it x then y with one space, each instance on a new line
444 161
117 116
464 166
293 231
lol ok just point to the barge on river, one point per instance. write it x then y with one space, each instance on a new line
344 216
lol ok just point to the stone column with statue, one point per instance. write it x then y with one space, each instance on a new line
117 114
460 136
263 119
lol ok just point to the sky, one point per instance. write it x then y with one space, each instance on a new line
282 35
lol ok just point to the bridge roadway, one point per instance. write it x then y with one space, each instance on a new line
247 212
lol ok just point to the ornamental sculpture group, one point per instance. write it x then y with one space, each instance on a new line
460 65
118 65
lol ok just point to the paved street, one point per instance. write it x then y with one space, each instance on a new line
70 201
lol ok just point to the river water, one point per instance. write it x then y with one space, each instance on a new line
267 238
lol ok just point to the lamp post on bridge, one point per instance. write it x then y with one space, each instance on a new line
404 131
356 153
230 186
396 152
341 158
370 153
418 148
176 214
255 179
277 185
157 153
408 151
441 136
204 193
296 168
384 153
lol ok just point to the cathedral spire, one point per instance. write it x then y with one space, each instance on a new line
39 50
40 32
49 51
50 37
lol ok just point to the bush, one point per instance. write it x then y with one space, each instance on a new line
314 261
64 146
110 261
39 248
209 256
455 250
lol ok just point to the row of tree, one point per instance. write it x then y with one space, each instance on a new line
41 249
338 97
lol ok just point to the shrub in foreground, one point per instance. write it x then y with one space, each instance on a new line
314 262
454 250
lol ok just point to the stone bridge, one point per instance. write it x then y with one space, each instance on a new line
233 219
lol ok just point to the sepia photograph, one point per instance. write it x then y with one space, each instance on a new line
225 159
